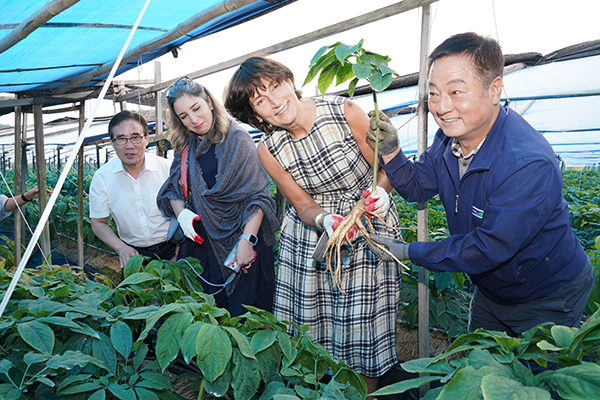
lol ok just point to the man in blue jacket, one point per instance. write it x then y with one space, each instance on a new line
500 184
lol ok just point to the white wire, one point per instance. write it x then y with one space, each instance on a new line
68 165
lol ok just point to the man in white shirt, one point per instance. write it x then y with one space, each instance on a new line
126 188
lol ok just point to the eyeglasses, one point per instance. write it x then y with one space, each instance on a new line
180 82
121 141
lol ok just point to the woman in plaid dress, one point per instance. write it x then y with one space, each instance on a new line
316 152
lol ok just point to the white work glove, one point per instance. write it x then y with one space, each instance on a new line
186 220
332 221
377 202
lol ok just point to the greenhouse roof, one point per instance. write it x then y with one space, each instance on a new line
67 44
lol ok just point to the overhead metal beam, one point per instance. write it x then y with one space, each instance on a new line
352 23
37 19
179 31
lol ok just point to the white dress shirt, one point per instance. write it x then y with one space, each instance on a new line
131 202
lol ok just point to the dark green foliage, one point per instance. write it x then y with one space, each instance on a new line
498 367
64 336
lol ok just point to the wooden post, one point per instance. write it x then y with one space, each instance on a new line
158 123
38 126
80 248
17 179
24 168
422 217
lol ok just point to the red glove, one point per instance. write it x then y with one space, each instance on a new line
332 221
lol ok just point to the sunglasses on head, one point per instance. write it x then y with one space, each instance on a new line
180 82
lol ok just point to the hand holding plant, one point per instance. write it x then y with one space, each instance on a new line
343 63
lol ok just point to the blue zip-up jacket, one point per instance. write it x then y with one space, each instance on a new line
508 221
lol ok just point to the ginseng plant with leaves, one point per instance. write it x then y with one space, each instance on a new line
342 63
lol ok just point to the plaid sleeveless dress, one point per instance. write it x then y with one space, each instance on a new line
359 326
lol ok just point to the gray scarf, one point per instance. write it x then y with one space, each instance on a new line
241 188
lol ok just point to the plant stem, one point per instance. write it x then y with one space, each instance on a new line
201 391
376 161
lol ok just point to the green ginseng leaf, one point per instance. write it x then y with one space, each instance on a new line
379 83
327 76
352 87
322 62
362 70
344 73
343 51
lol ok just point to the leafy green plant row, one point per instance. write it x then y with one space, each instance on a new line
549 361
64 336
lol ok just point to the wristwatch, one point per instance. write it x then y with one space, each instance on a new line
252 239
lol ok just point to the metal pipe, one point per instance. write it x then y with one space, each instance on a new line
37 19
179 31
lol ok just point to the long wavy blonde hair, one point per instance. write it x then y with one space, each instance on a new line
178 133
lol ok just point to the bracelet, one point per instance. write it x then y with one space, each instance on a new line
319 221
25 199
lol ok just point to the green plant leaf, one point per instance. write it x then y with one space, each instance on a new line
403 386
362 70
246 376
577 382
269 361
133 265
563 336
168 338
121 393
241 341
318 54
103 350
13 394
145 394
188 342
37 335
5 366
323 62
213 349
352 87
498 387
343 51
263 339
380 82
220 386
286 345
344 73
121 338
137 278
33 358
326 77
154 380
425 365
98 395
80 388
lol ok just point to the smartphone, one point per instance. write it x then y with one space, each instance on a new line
230 257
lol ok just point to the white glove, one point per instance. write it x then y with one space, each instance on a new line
332 221
186 220
377 202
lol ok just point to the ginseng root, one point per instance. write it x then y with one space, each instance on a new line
333 258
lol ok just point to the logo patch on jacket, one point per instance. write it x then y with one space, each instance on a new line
477 213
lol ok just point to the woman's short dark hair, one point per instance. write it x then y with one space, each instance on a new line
246 81
126 116
485 52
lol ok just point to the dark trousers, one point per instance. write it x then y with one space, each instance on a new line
163 251
563 307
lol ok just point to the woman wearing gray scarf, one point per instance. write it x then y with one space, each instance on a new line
223 201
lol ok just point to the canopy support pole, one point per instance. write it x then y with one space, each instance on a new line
38 126
158 125
17 179
422 216
80 249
